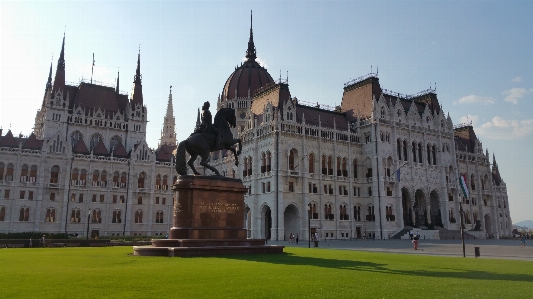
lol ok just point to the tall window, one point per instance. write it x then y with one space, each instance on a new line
399 149
328 215
96 216
2 213
434 154
159 217
429 154
355 168
291 159
1 171
96 176
343 212
404 145
357 213
115 141
24 214
54 174
158 182
9 173
269 161
116 179
311 163
83 177
414 151
103 179
249 165
75 215
139 216
165 181
420 153
123 180
95 139
324 167
117 216
245 167
75 137
339 171
344 169
50 215
24 173
140 180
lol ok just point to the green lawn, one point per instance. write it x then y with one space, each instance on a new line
299 273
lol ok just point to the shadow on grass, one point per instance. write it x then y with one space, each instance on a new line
290 259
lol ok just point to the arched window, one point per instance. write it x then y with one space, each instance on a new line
414 151
330 166
103 179
382 112
75 137
139 216
249 165
140 180
50 215
54 174
324 167
311 163
473 182
83 177
165 182
263 162
123 180
2 213
96 216
74 176
434 154
339 170
95 139
117 216
245 167
343 213
9 173
357 213
75 215
420 153
159 217
344 168
116 179
24 173
96 177
291 159
158 182
115 141
314 213
355 168
429 154
24 214
269 161
2 171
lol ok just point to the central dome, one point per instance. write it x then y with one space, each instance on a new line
247 78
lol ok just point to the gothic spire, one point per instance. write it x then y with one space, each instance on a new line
168 134
117 90
137 95
250 52
59 80
48 83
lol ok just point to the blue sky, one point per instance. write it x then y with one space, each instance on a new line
479 54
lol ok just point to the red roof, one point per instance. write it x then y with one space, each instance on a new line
465 138
100 149
8 140
81 148
93 97
33 143
248 77
164 153
120 151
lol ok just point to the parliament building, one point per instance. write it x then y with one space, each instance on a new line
378 164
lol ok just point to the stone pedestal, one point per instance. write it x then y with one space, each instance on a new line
208 220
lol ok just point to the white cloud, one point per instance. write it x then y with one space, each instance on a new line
517 79
260 61
472 99
514 94
500 128
469 118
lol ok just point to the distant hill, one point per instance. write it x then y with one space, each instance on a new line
525 223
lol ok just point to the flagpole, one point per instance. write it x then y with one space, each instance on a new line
92 68
462 231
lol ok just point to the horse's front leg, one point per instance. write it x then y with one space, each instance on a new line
191 164
203 162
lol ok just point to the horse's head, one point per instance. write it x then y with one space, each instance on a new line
226 115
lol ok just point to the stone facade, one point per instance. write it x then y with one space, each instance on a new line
88 161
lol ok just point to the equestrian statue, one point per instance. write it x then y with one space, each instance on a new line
208 137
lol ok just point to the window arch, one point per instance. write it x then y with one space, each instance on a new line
328 215
434 154
96 216
343 212
324 167
404 145
344 167
159 217
123 180
74 175
2 166
399 149
75 137
2 213
165 182
355 168
95 139
54 174
158 182
115 141
245 167
420 153
103 179
116 179
75 215
50 215
314 213
311 163
96 176
473 182
292 154
250 165
24 214
330 165
382 112
414 151
263 162
357 213
24 173
117 216
269 161
339 165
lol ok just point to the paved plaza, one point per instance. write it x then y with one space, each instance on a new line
501 249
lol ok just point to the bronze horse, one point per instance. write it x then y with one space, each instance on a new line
202 144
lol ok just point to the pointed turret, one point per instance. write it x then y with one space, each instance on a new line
250 52
48 83
117 90
59 80
168 134
496 177
137 94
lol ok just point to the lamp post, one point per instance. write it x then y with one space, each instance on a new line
309 223
88 221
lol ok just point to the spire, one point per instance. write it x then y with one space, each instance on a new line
59 80
117 90
168 134
250 52
137 94
48 83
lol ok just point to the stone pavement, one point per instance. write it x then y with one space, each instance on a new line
501 249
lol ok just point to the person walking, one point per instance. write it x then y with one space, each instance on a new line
415 241
523 241
43 241
297 238
31 243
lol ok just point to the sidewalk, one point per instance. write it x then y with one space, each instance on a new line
501 249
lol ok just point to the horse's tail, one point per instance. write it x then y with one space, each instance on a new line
181 166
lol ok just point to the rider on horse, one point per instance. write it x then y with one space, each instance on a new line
206 125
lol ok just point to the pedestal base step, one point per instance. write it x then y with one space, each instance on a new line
205 250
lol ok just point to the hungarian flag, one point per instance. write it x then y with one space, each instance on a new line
462 183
